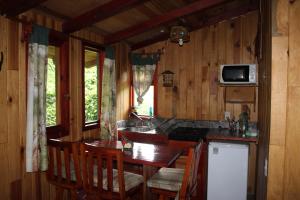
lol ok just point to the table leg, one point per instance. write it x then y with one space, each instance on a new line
148 171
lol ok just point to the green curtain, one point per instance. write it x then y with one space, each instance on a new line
108 100
36 140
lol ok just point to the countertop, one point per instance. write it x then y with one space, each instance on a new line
210 134
227 135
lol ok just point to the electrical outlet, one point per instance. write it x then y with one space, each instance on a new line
226 115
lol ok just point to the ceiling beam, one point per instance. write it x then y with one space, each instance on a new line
161 19
148 42
13 8
98 14
226 15
45 10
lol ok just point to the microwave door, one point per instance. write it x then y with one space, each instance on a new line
235 74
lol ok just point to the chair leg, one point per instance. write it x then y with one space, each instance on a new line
142 191
162 197
59 192
73 194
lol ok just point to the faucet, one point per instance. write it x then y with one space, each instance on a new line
133 114
164 122
232 123
140 122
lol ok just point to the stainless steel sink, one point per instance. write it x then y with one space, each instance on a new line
137 129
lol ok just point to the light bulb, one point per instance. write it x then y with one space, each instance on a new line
180 42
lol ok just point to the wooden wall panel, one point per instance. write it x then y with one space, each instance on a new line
292 158
279 90
123 80
278 117
3 85
76 89
196 66
4 173
198 74
284 163
10 135
294 42
275 172
13 46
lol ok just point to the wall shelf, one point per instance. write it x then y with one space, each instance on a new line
240 94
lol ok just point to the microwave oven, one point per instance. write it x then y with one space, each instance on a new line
238 74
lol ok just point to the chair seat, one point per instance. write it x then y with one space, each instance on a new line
131 180
167 179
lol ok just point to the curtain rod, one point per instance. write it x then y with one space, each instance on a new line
58 33
158 51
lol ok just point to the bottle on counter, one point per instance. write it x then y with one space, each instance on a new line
150 111
244 119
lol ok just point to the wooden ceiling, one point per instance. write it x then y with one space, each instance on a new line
138 22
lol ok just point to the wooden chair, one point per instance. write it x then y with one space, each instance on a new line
177 183
63 168
101 181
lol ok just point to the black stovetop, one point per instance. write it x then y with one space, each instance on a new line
188 134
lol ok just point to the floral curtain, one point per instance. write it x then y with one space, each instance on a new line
36 140
108 100
143 68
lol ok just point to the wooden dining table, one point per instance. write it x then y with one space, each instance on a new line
150 156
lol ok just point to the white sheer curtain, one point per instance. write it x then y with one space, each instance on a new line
36 140
142 79
108 100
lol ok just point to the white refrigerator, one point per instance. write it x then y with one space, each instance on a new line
227 171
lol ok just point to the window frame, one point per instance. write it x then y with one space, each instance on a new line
154 83
63 128
101 55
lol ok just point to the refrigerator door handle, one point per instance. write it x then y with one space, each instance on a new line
216 150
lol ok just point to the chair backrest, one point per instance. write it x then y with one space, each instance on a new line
97 171
63 163
189 182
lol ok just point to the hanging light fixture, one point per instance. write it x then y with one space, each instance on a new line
179 34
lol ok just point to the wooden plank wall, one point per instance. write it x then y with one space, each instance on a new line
284 160
15 182
123 80
196 63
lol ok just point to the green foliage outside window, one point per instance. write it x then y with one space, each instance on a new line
147 107
91 94
51 94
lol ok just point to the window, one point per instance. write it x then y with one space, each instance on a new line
148 107
52 116
57 90
91 82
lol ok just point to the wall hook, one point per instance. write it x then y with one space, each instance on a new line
1 60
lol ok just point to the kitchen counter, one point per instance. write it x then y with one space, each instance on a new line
186 134
222 134
145 136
